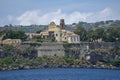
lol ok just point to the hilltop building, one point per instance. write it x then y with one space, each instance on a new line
59 33
11 41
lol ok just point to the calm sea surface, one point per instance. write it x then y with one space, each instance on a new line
61 74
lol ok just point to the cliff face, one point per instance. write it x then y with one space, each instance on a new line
88 55
95 52
17 51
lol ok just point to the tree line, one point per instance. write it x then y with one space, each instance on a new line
107 35
10 34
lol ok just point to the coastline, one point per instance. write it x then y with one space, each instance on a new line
61 67
27 59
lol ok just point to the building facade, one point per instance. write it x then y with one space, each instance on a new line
11 41
60 34
51 49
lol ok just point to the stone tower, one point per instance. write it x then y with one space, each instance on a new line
62 23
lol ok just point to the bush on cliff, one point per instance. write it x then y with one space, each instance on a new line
115 63
68 60
6 61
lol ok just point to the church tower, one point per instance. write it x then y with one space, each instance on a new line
62 24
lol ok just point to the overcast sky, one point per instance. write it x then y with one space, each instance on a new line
26 12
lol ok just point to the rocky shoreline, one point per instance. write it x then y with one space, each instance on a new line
21 67
25 57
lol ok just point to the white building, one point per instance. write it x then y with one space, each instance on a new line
60 34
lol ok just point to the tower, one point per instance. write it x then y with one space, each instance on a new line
62 23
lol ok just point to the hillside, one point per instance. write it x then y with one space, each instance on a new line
87 26
101 24
27 29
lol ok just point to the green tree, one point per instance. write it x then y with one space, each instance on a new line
39 31
81 32
7 60
39 39
112 35
15 35
68 59
53 39
95 34
115 63
99 32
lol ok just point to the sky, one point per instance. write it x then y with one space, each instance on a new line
28 12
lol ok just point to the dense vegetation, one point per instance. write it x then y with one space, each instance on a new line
24 56
27 29
88 26
10 34
101 24
108 35
13 54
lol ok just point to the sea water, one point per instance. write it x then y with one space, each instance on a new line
61 74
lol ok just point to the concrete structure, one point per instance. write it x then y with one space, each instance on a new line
11 41
32 35
60 34
51 49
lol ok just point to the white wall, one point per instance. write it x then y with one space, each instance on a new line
73 39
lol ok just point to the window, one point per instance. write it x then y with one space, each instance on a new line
74 38
71 39
61 35
56 34
65 37
78 38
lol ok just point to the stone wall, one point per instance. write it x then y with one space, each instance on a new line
76 50
51 49
83 48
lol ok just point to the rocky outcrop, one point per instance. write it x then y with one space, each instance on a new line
83 55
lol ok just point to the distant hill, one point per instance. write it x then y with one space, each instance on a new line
28 29
88 26
101 24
